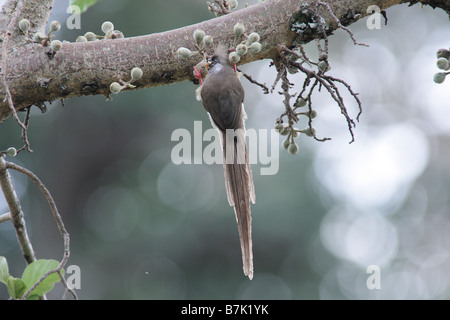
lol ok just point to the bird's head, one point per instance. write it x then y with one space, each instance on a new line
218 60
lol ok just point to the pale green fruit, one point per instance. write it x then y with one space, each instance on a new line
199 34
238 30
24 25
115 87
54 26
184 53
136 73
241 49
107 26
81 39
442 63
56 45
12 152
253 37
293 148
255 47
208 40
439 77
90 36
234 57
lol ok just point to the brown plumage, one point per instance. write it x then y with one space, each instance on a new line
222 95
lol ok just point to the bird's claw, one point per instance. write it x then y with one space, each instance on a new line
198 74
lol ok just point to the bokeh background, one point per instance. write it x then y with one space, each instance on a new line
144 228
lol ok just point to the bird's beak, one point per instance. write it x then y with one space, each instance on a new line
208 64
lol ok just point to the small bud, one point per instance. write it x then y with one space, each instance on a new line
238 30
295 133
81 39
233 4
253 37
439 77
310 132
292 69
136 73
24 25
54 26
115 87
241 49
323 56
442 63
184 53
255 47
208 40
300 103
443 53
12 152
285 131
90 36
39 37
234 57
286 143
279 127
107 27
56 45
313 114
199 34
293 148
323 66
115 34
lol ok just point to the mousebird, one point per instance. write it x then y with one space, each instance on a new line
222 95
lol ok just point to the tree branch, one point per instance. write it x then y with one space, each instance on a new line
56 216
5 217
89 68
16 212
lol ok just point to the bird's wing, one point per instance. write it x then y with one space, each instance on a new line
225 108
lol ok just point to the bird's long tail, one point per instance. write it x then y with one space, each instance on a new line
240 190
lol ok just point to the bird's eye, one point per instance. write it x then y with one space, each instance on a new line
212 60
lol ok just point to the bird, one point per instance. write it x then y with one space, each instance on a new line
222 95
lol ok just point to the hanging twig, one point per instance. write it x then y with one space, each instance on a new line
59 223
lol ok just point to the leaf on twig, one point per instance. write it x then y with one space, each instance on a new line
4 271
83 4
16 287
35 270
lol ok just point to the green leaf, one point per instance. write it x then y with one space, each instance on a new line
83 4
16 287
4 271
35 270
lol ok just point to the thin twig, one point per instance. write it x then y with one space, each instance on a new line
303 56
59 223
5 217
354 94
249 78
327 6
221 9
328 82
277 79
26 122
45 191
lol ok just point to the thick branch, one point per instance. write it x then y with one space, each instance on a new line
16 212
89 68
37 12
